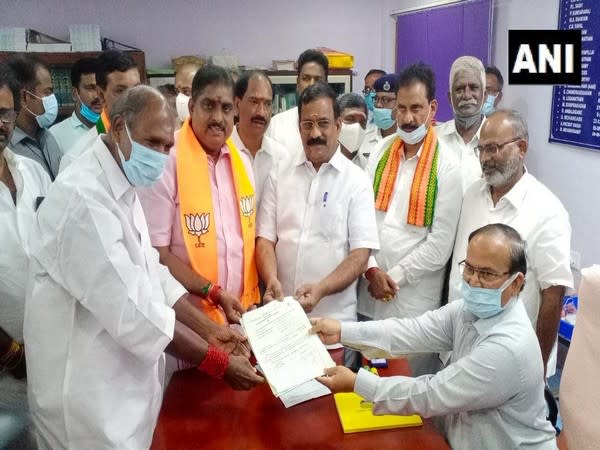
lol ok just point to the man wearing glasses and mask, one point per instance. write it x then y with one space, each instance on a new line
510 195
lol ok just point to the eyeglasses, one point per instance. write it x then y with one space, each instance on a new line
8 116
308 125
485 276
493 149
385 101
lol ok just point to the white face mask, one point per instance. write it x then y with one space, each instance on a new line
415 136
181 103
351 136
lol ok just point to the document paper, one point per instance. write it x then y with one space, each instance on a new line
288 355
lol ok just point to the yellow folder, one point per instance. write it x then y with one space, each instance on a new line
356 415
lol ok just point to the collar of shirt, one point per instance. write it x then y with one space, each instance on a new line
76 123
19 135
448 128
117 180
239 144
516 196
337 160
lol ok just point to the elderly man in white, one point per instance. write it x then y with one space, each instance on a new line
467 96
316 224
491 395
510 195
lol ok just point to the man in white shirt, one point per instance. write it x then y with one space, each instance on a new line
253 103
494 82
510 195
312 66
316 223
115 73
88 105
353 111
22 183
100 308
369 93
460 136
417 201
492 393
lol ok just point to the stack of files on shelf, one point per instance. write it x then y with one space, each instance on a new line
357 415
13 39
40 42
61 82
288 356
85 38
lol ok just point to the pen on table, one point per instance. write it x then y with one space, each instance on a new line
325 195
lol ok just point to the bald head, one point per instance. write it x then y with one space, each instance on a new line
184 77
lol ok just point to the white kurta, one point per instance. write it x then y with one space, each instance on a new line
32 182
267 158
492 393
541 220
98 314
82 144
316 219
414 257
453 142
285 129
68 132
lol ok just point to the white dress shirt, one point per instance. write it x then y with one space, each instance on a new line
316 219
541 220
98 313
32 182
492 393
464 153
266 159
285 129
415 257
83 144
372 138
68 132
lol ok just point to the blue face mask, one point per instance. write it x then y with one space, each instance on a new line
144 166
370 100
88 113
383 118
50 110
484 302
415 136
488 106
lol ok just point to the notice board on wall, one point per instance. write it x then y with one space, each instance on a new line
575 115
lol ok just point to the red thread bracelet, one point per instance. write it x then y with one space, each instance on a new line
213 294
370 271
215 362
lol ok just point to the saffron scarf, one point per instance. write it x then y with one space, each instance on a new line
198 221
423 190
103 124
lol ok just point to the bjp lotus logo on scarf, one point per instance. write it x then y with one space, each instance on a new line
197 225
247 207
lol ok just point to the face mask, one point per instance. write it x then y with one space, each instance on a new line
488 106
415 136
484 302
50 110
181 102
370 100
466 122
88 113
144 166
351 136
383 118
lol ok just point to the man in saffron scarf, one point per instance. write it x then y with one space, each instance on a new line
201 214
418 195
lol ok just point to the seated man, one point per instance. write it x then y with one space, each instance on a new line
100 309
316 223
492 393
201 214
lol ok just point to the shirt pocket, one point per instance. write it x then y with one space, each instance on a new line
331 223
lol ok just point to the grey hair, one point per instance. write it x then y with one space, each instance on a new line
135 101
469 63
516 120
352 100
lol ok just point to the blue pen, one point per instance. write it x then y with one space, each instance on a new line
325 195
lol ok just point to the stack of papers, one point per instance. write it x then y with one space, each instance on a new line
13 39
287 354
357 415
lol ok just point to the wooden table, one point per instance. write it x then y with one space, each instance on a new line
201 413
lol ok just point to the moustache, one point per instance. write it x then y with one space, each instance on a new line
470 102
408 128
96 102
259 119
217 125
316 141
